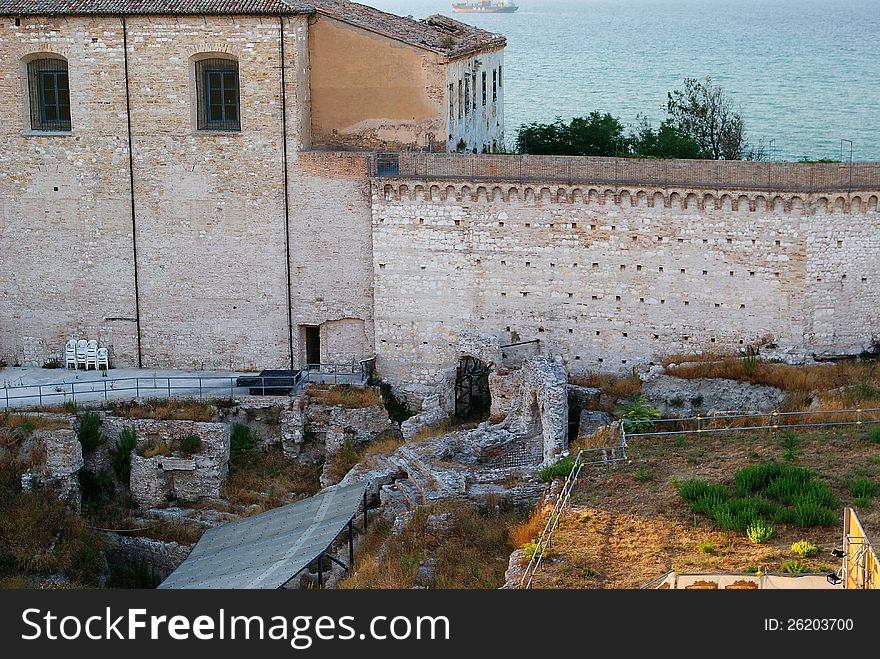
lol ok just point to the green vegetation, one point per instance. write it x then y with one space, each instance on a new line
763 493
700 123
397 411
346 458
759 532
89 432
242 441
120 454
793 566
874 435
790 444
707 547
69 407
804 549
643 475
863 488
638 413
190 444
559 469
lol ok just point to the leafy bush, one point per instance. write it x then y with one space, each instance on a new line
755 478
637 413
804 549
120 454
89 432
759 532
863 488
559 469
793 567
190 444
530 548
242 441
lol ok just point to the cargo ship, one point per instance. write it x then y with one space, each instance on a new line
485 7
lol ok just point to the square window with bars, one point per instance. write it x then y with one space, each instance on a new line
217 92
49 89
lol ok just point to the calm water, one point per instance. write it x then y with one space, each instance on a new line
806 73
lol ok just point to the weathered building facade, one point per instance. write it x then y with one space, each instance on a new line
196 188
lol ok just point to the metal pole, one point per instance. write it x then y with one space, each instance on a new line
40 391
321 570
200 388
105 389
770 163
350 545
365 511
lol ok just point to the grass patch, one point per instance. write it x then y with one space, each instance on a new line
32 422
345 458
184 533
643 475
706 547
863 488
165 409
530 529
266 479
559 469
190 444
346 395
873 435
763 493
793 566
472 553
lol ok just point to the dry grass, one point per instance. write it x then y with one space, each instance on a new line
473 553
520 534
267 479
859 379
441 428
165 409
346 395
611 385
622 532
32 422
688 359
184 533
152 449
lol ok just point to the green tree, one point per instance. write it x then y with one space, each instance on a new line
664 142
704 112
596 134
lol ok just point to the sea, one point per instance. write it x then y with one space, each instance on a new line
804 74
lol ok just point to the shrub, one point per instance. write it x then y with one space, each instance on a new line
754 478
559 469
637 413
707 547
69 406
242 441
530 549
120 454
346 458
52 362
190 444
789 445
874 435
804 549
693 491
862 502
89 432
808 513
793 567
750 363
759 532
863 488
643 475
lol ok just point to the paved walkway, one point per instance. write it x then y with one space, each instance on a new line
36 387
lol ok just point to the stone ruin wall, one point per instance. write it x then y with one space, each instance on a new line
615 278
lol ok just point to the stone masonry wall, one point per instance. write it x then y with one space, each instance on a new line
611 279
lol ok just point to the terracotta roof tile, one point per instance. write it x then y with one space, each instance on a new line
152 7
437 33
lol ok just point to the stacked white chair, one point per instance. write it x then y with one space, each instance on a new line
81 348
92 354
103 358
70 354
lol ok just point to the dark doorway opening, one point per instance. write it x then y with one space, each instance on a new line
313 347
472 398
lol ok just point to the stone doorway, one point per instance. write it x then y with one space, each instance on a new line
472 397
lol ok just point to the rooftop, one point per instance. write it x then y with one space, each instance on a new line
437 33
152 7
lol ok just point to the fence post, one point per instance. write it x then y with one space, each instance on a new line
200 388
105 389
40 392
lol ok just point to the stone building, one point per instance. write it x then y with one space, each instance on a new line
195 184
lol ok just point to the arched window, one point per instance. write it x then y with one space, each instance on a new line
217 94
49 91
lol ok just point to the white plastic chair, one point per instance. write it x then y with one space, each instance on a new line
81 347
103 359
70 354
92 354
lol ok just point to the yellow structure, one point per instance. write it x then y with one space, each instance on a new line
861 569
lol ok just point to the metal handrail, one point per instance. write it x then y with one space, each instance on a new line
168 386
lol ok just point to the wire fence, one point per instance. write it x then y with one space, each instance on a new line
188 386
717 422
726 174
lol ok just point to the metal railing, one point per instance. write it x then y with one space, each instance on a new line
189 386
743 421
716 174
609 455
722 421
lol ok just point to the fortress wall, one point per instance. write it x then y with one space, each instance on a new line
615 278
65 214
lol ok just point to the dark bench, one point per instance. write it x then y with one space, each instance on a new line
272 382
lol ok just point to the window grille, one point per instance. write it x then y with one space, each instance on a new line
494 86
49 89
484 88
467 94
217 94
